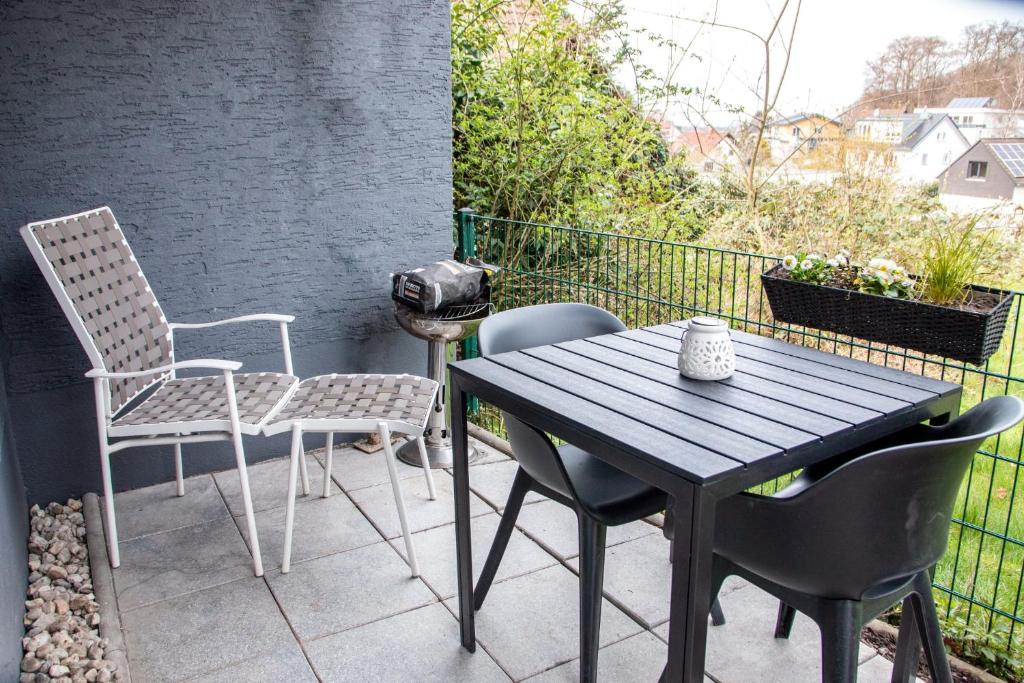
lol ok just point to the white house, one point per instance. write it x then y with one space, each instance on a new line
978 118
927 146
884 126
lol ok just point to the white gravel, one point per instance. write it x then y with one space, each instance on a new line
62 642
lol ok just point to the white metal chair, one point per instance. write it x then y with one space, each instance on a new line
355 404
101 289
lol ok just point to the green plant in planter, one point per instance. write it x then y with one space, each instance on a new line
809 267
952 261
884 277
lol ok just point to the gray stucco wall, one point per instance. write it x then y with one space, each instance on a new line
997 184
13 550
261 155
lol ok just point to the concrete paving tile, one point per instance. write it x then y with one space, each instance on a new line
353 469
158 508
487 454
530 624
323 526
205 631
288 664
745 643
268 483
378 504
555 526
333 593
493 481
419 645
435 549
876 669
638 575
637 658
161 566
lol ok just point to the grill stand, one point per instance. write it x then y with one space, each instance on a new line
437 434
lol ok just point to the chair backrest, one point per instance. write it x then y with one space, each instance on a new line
523 328
100 287
886 514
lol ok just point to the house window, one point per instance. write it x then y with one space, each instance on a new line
940 136
796 131
924 159
968 120
945 158
709 166
977 170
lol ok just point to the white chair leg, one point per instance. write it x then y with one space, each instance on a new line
328 461
108 502
243 476
426 467
289 518
100 394
389 458
179 475
304 470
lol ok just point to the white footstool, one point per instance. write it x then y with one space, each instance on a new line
360 404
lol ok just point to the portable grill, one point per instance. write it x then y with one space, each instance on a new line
451 324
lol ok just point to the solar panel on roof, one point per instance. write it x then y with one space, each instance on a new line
1012 155
968 102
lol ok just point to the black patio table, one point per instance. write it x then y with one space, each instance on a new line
621 397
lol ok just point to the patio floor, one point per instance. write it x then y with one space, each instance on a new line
348 610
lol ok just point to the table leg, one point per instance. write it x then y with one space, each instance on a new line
463 549
693 545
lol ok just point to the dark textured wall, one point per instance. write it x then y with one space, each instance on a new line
13 550
261 155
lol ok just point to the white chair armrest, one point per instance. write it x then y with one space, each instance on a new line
200 363
255 317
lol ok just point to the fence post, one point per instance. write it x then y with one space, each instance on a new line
466 248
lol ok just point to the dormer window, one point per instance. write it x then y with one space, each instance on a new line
977 170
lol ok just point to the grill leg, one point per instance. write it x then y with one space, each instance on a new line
179 476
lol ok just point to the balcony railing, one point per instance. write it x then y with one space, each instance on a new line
644 281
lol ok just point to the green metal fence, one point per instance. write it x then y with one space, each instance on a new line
647 282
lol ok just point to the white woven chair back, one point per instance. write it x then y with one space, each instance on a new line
100 286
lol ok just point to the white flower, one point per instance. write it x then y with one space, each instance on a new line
876 263
898 273
807 264
813 257
884 277
832 263
841 259
789 263
909 284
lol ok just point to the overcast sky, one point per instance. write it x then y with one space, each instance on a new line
833 41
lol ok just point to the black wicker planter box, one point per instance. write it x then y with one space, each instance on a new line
969 336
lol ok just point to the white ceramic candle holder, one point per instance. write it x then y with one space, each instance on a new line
706 351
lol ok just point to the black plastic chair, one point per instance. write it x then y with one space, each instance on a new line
849 539
600 494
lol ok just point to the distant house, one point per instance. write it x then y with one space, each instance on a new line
708 150
802 133
927 146
992 169
883 126
978 118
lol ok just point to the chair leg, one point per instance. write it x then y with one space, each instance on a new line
784 622
928 626
840 641
908 645
179 475
250 516
108 503
396 488
718 576
328 462
305 474
289 515
422 447
520 487
592 540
